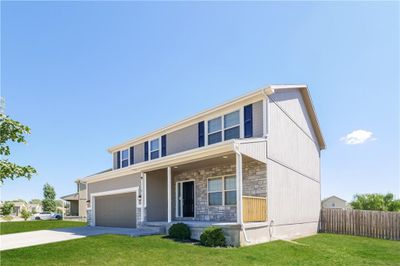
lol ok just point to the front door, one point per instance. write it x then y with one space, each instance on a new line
185 200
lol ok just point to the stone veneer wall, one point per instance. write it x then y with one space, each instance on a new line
254 184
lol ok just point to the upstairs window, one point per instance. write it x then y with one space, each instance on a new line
226 128
215 130
125 158
232 125
154 149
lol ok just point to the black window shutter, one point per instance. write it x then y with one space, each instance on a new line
248 121
132 155
118 159
201 133
146 151
163 145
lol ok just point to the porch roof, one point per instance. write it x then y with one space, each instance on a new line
192 155
73 196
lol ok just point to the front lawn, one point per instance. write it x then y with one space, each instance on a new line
26 226
322 249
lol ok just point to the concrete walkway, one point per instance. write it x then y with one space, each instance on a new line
40 237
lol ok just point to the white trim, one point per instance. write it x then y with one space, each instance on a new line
223 190
180 183
239 210
106 193
120 158
169 192
265 117
245 99
145 190
241 122
142 198
223 129
163 162
248 98
159 148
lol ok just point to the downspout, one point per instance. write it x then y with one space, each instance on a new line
240 178
266 132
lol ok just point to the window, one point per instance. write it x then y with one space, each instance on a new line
125 158
230 190
215 130
232 126
230 123
154 149
222 191
215 191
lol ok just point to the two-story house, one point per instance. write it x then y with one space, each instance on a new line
250 165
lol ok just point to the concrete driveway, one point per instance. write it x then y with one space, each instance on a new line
33 238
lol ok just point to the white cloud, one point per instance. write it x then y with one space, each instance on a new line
358 137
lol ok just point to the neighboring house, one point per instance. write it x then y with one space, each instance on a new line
19 206
250 166
77 201
334 202
34 208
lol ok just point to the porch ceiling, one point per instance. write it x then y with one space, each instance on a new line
221 159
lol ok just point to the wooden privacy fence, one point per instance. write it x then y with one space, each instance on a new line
378 224
254 209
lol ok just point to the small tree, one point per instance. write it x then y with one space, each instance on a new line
25 214
375 202
13 131
49 202
7 208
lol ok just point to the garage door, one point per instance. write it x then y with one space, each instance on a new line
117 210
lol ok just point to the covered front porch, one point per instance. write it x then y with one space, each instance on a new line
228 189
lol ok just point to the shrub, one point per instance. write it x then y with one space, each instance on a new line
7 208
25 214
8 218
179 231
213 236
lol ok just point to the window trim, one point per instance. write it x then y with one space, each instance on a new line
223 190
180 183
121 160
159 148
223 129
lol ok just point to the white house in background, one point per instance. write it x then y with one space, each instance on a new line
334 202
250 166
34 208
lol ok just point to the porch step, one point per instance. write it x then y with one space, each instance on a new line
157 228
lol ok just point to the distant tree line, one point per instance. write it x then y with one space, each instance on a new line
376 202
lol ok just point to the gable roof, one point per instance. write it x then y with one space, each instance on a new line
333 197
256 95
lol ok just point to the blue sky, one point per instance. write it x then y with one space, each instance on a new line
87 75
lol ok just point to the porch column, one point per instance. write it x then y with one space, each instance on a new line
142 199
169 192
238 188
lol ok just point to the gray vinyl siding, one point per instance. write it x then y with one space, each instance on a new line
157 196
82 200
139 153
115 161
182 140
293 167
258 119
127 181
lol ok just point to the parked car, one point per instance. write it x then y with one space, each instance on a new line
48 216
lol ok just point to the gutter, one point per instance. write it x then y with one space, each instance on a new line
240 181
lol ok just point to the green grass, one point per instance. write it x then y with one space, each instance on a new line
17 227
321 249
